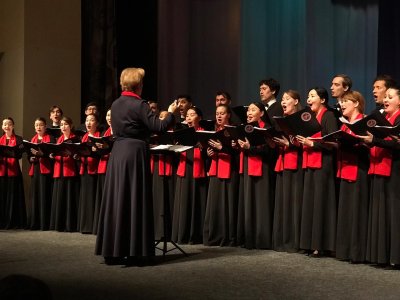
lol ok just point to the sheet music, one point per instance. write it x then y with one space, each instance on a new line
174 148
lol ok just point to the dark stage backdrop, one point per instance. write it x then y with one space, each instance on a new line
201 46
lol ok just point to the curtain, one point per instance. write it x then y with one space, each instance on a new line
304 43
99 55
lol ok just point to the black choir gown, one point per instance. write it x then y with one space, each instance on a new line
87 202
220 224
126 224
288 206
319 211
189 205
101 176
256 201
41 190
12 198
383 243
65 202
352 224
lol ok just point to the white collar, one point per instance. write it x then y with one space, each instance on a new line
270 102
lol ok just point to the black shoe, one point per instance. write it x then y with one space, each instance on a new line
112 261
392 267
142 261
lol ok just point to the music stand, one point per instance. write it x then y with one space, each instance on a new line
166 219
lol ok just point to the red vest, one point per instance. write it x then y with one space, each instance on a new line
164 164
347 162
220 164
312 158
381 158
68 163
91 163
9 166
104 159
287 159
44 162
254 162
198 163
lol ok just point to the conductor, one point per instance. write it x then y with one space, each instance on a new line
126 229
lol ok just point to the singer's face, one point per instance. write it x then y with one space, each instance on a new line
8 126
379 91
55 115
92 109
108 117
337 89
254 114
289 104
392 101
40 127
65 128
183 105
192 118
348 107
91 123
221 100
221 116
314 101
265 93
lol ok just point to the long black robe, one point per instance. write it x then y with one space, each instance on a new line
352 225
319 211
383 244
288 205
256 202
189 206
41 190
12 198
126 224
220 224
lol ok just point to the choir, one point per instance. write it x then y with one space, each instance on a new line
312 194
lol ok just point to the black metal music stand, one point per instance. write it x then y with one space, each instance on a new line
165 239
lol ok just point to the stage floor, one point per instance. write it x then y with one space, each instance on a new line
65 261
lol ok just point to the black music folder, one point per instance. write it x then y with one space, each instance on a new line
11 151
29 145
63 149
240 113
208 125
54 131
339 136
203 136
385 131
106 143
185 136
79 132
255 135
302 122
369 123
47 148
103 140
80 149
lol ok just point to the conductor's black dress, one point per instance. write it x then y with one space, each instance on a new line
126 225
